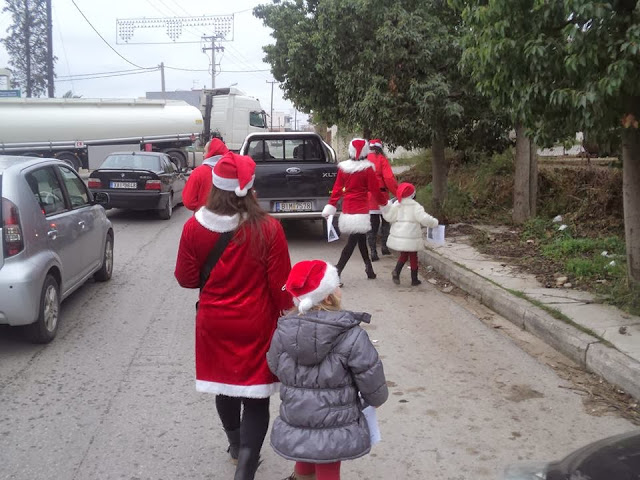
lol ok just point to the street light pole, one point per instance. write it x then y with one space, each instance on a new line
272 82
50 85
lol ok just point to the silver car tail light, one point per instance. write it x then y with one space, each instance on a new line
12 232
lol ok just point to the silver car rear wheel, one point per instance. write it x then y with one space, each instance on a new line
46 326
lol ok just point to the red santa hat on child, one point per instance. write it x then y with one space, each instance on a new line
375 142
405 190
234 173
310 282
358 149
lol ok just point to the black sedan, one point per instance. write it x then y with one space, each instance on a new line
613 458
139 181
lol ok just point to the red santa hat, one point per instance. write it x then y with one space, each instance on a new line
234 173
405 190
216 147
375 142
358 149
310 282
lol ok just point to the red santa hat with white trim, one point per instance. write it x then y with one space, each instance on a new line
310 282
234 173
375 143
358 149
405 190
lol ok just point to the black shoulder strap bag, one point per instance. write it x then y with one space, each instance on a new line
212 259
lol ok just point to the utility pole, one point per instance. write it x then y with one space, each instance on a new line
272 82
295 120
50 85
162 79
214 48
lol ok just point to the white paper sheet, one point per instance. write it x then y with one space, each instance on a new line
372 422
332 235
436 235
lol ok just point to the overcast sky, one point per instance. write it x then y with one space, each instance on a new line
80 50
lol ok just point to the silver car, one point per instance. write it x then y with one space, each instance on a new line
53 235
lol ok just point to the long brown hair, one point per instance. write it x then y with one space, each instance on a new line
252 216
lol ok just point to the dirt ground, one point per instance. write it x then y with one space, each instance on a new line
598 396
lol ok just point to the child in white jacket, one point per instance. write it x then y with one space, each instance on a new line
407 218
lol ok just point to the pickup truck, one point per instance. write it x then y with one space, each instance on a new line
295 172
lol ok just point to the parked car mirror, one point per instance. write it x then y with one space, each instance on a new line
101 198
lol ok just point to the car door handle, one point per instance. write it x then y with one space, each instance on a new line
53 234
81 224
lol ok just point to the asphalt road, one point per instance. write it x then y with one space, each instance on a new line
113 396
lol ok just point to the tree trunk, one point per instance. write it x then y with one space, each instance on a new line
525 182
439 171
533 178
631 199
366 133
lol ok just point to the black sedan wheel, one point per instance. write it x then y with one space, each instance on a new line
165 213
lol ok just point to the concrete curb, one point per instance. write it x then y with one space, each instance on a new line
586 350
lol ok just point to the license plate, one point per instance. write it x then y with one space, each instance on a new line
124 184
294 206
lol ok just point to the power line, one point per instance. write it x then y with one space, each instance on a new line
103 39
108 76
102 73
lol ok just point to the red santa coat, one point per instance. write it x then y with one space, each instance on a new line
196 190
386 180
240 303
355 181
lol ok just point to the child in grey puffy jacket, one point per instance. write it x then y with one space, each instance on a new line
327 367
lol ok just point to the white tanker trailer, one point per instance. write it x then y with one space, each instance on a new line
81 131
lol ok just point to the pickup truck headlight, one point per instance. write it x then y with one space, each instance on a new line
530 471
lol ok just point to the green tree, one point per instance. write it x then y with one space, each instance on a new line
388 68
26 44
576 68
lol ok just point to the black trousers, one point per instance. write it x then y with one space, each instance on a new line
253 422
359 239
379 224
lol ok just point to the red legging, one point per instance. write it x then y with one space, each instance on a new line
323 471
413 259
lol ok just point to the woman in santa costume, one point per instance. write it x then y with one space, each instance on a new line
239 304
355 181
196 191
387 183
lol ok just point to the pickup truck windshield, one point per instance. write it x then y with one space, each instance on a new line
286 150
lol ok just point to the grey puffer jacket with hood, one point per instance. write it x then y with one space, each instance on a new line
323 360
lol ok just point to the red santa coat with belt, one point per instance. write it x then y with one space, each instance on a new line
240 303
386 180
355 181
196 190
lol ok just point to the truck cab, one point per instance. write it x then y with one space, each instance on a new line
295 172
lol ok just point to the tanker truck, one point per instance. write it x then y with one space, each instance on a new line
83 132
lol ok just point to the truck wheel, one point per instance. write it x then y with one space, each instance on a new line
46 326
165 213
178 157
71 159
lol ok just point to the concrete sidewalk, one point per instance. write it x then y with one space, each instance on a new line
600 338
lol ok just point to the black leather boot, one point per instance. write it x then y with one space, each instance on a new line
395 275
234 444
414 278
248 461
368 268
371 240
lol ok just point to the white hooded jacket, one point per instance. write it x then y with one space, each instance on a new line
407 218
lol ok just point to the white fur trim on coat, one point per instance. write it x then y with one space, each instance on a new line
354 223
217 223
328 210
352 166
248 391
330 281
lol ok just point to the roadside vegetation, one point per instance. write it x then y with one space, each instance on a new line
585 243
